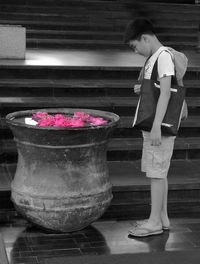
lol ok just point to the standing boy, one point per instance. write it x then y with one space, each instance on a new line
157 149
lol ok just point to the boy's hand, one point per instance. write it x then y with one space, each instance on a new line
155 135
137 88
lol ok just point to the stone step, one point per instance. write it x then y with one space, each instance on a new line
95 3
109 17
44 18
191 121
120 149
81 13
63 9
108 4
118 104
68 25
170 7
66 14
61 38
73 44
170 11
82 84
94 21
136 143
99 26
180 2
131 190
79 102
118 18
127 175
172 30
65 23
81 69
104 35
76 34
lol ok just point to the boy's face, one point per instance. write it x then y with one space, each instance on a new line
141 46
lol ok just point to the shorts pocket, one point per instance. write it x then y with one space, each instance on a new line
160 160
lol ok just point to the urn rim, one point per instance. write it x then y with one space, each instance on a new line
11 118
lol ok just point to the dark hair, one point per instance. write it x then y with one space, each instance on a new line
136 28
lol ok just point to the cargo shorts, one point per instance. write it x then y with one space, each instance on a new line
156 159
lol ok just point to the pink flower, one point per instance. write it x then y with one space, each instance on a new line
77 123
68 122
48 121
81 115
59 123
63 122
79 119
59 120
59 116
97 121
39 115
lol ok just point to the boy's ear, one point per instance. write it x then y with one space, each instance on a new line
145 37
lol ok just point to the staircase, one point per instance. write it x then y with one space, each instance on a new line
99 25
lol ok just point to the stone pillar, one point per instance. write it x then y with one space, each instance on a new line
12 42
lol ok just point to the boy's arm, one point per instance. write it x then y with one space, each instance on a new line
165 85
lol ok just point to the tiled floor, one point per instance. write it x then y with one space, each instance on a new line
27 244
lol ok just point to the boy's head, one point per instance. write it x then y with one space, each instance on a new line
138 34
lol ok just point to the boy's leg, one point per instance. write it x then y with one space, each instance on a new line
157 198
155 162
158 204
164 213
153 225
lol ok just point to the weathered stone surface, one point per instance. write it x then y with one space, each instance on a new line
61 181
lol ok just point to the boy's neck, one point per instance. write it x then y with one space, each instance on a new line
156 44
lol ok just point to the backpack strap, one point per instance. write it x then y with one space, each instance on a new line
154 74
141 74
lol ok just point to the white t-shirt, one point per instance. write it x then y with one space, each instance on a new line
165 64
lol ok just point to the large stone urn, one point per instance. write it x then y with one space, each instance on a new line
61 181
